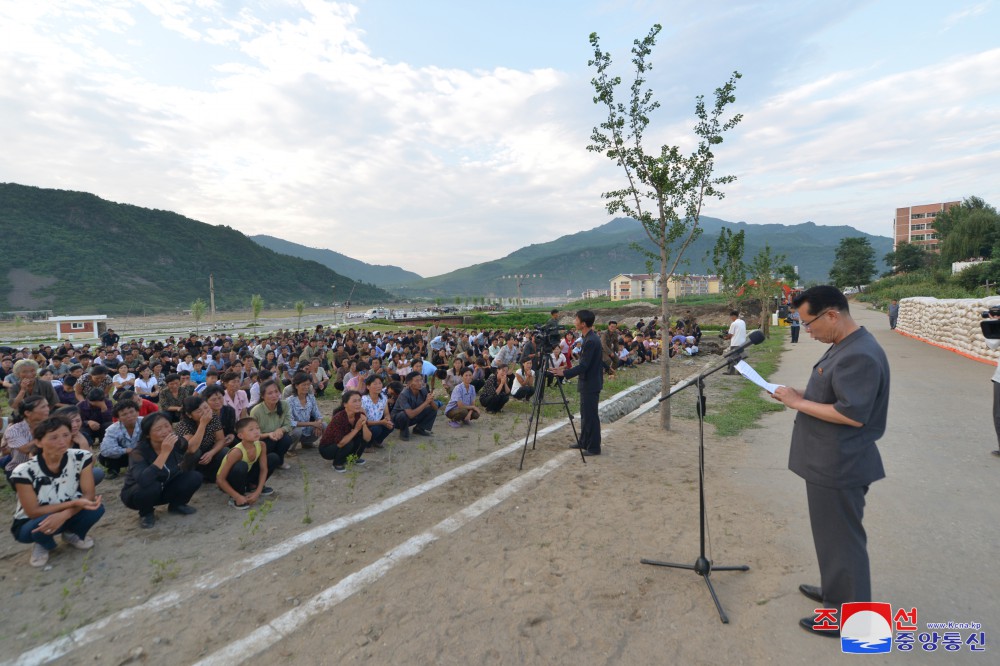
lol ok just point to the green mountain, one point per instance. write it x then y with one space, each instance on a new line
376 274
76 253
589 259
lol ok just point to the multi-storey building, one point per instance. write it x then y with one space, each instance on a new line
915 224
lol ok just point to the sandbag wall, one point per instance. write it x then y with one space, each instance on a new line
950 323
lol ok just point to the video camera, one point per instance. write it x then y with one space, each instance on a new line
549 335
991 323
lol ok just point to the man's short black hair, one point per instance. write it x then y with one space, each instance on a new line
734 313
822 297
587 317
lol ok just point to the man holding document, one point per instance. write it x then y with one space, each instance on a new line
841 414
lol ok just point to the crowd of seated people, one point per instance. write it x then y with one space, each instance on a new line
172 415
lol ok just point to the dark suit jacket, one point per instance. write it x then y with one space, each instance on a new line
590 368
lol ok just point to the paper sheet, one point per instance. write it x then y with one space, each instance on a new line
744 369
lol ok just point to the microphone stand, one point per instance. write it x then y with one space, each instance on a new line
703 566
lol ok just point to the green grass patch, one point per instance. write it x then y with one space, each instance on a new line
744 407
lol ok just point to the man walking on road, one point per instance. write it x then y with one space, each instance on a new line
841 415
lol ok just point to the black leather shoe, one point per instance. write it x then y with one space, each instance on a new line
147 521
808 624
587 452
575 446
182 509
996 452
812 592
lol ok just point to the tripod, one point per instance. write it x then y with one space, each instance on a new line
702 566
538 399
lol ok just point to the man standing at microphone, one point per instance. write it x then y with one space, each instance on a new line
590 369
841 415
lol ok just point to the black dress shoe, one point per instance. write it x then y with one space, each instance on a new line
811 591
996 452
588 452
147 521
809 625
182 509
575 446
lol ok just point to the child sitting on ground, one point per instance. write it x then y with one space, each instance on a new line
246 467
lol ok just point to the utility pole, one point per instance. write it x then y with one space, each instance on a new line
211 297
519 280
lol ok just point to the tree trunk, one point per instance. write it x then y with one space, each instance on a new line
664 343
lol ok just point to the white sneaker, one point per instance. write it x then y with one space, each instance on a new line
78 543
39 556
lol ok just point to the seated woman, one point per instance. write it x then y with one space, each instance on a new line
496 391
155 472
172 397
275 425
78 438
234 395
246 468
214 398
453 377
123 380
479 373
348 433
461 409
203 430
147 386
96 414
18 438
556 360
55 493
376 406
304 417
524 382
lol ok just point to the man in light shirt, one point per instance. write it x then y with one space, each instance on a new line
737 335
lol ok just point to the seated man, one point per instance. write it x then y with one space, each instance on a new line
96 414
120 438
415 407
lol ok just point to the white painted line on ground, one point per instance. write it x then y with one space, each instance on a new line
101 629
262 638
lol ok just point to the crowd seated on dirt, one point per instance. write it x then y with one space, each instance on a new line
174 414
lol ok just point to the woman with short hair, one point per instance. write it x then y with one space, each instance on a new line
55 493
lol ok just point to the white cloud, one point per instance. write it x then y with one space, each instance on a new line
290 125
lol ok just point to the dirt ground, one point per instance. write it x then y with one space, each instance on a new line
129 566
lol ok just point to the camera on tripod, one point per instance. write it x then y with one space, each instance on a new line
991 323
549 335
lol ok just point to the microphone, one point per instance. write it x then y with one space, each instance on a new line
755 338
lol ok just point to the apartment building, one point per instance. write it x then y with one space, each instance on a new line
915 224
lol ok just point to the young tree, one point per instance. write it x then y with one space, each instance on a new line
256 305
665 189
907 258
197 312
727 260
854 263
300 306
763 286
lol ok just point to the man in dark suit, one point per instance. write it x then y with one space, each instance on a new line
841 414
590 370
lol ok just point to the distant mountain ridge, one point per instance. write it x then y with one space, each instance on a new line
76 253
377 274
589 259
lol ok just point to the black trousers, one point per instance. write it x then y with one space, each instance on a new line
496 403
113 464
178 490
339 454
795 333
280 447
423 420
841 543
590 422
996 409
241 476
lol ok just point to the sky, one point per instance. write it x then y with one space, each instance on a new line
434 135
